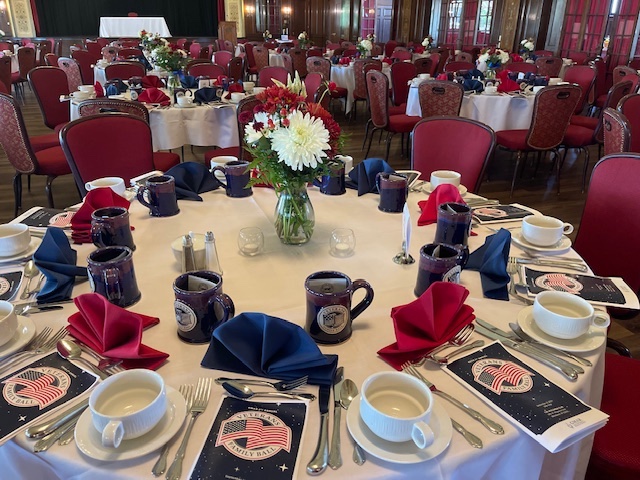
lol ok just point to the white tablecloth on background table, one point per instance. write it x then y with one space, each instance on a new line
344 77
114 27
201 126
500 112
273 283
276 60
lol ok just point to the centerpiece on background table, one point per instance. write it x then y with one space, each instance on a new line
169 57
149 41
266 35
490 60
427 42
291 142
303 40
365 45
526 49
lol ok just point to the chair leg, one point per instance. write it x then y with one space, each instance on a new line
47 188
586 167
389 138
17 192
556 154
366 155
515 172
29 182
366 134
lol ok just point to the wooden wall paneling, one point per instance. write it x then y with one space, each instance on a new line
554 32
315 21
498 14
421 20
509 23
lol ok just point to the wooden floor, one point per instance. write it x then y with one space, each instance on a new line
538 193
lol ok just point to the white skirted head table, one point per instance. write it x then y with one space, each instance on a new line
272 283
116 27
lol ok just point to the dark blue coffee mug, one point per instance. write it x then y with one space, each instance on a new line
237 175
333 183
393 189
454 224
111 275
159 196
439 263
110 226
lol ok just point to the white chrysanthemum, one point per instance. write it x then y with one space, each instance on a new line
426 42
367 45
303 143
250 133
529 45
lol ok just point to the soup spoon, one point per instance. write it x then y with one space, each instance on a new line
347 393
239 390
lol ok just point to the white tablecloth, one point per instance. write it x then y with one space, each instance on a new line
114 27
273 283
201 126
500 112
345 77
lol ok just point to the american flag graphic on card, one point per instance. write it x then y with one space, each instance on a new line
252 440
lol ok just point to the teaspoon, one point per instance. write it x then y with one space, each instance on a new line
30 271
70 350
347 393
239 390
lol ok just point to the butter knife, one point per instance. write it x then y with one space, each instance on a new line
472 439
45 443
335 458
555 351
318 463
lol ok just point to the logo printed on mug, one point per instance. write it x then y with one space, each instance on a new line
332 319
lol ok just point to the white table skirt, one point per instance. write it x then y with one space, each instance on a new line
500 112
201 126
345 77
115 27
273 283
276 60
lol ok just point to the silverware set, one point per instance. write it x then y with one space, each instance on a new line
44 342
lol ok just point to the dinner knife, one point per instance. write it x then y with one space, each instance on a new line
570 373
555 351
318 463
42 429
541 352
335 458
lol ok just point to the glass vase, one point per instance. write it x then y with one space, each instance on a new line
294 218
173 81
490 74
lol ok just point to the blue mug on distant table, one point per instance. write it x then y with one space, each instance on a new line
159 196
237 176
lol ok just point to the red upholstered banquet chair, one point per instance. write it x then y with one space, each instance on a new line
103 41
401 55
401 74
630 107
458 66
552 110
96 106
86 61
26 62
252 69
48 84
222 58
132 14
523 67
299 58
71 68
378 95
579 58
312 83
194 50
267 74
584 76
127 53
549 66
440 97
360 90
124 70
51 60
93 47
229 46
208 69
5 72
431 150
617 132
544 53
389 47
261 57
196 61
435 62
350 52
620 73
463 57
323 66
205 52
314 52
270 45
50 162
131 155
423 65
129 43
42 49
236 68
287 63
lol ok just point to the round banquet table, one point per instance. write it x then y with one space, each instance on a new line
500 112
344 77
273 283
202 125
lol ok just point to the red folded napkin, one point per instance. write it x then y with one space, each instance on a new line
152 81
442 76
221 79
153 95
95 199
344 61
442 194
99 90
430 320
508 85
387 60
114 332
235 87
419 49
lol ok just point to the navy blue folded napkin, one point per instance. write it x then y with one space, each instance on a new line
257 344
491 260
205 95
57 261
470 84
475 73
147 66
363 175
188 81
115 86
191 179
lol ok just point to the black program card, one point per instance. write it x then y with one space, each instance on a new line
252 441
588 287
46 217
9 284
500 213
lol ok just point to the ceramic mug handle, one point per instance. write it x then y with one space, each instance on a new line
422 435
227 305
112 434
567 228
112 284
600 320
366 301
219 168
142 198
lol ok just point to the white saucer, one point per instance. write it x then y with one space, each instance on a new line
129 195
490 94
585 343
89 441
461 188
33 246
24 334
188 105
560 247
400 452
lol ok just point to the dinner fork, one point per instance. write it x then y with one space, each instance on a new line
552 262
161 465
199 405
489 424
281 386
47 344
457 340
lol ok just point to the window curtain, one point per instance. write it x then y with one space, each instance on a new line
82 17
34 13
622 32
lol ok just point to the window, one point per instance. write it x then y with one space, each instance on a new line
485 17
451 14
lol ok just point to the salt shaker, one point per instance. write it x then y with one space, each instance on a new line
211 254
188 257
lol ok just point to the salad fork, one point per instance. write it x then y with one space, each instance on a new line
47 344
281 386
199 405
457 340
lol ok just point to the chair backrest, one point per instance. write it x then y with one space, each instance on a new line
6 46
401 74
299 58
584 76
228 46
51 60
251 61
86 61
14 138
360 90
261 57
314 52
247 104
222 57
26 60
629 106
615 94
463 57
270 45
552 110
423 65
543 53
287 63
210 70
42 49
614 182
452 143
205 52
389 47
129 52
440 97
130 156
617 132
347 44
130 43
444 58
622 73
196 61
523 67
5 72
435 61
549 66
194 50
600 87
93 46
377 85
180 42
267 74
319 65
235 68
458 66
580 58
312 83
96 106
350 52
124 70
71 68
48 84
377 50
634 63
401 55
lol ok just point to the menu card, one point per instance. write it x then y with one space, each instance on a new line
549 414
9 284
612 291
39 218
502 213
37 389
252 440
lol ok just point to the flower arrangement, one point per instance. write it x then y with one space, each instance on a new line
365 45
493 58
427 41
291 142
169 57
303 40
526 47
150 41
266 35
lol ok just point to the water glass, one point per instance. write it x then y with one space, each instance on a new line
342 242
251 241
